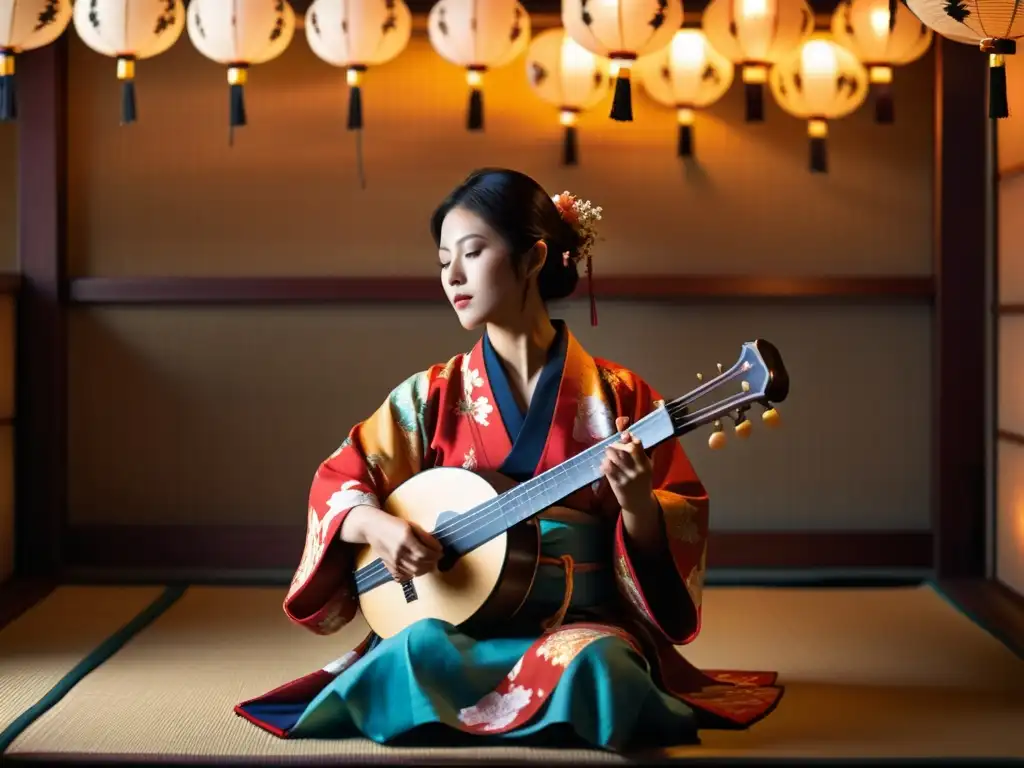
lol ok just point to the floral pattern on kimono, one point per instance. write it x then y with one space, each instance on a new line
449 415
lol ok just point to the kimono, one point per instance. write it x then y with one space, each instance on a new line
602 669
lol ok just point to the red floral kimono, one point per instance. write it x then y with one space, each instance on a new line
462 414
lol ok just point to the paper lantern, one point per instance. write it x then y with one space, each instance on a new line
993 26
819 81
882 38
566 75
24 26
356 35
755 34
478 36
687 76
240 34
129 31
622 31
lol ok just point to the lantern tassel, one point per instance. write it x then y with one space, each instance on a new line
753 94
685 146
475 116
622 100
570 154
355 108
128 112
885 111
8 89
817 131
998 105
237 76
355 97
126 74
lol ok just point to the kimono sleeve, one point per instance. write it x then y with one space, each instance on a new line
666 590
378 455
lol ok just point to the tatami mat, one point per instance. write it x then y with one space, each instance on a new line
869 672
49 639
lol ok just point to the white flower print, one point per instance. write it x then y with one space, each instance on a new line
515 670
594 421
496 710
346 498
469 460
479 408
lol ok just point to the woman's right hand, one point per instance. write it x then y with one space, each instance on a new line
405 550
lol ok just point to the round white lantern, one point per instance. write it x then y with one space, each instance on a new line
755 34
478 36
622 31
994 26
819 81
882 37
129 30
569 77
240 34
686 76
356 35
24 26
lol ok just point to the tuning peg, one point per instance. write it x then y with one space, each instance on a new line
771 418
743 429
719 367
700 377
745 386
717 438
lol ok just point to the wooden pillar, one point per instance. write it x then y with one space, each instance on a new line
41 497
962 183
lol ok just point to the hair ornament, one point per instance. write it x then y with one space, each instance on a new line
582 216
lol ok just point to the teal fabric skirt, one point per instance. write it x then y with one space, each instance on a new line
410 687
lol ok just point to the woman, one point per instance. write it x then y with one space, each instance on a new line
622 570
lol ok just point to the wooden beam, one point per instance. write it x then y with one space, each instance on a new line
962 184
41 439
992 605
286 290
1010 309
241 548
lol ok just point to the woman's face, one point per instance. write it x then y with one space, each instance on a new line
476 270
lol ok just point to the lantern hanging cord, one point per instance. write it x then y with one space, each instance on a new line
997 49
126 74
475 113
8 92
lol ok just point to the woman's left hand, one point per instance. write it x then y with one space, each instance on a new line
629 472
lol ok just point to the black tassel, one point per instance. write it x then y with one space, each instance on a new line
885 111
475 117
819 154
355 108
622 101
8 99
754 96
998 106
236 110
569 147
128 113
686 141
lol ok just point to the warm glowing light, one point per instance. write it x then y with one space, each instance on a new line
575 58
567 117
474 77
687 51
880 75
880 21
818 59
817 129
684 116
755 73
753 9
353 77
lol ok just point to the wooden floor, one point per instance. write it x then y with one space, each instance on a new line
883 673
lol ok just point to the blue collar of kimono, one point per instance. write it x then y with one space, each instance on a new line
527 431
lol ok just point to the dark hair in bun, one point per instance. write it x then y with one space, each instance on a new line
521 212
